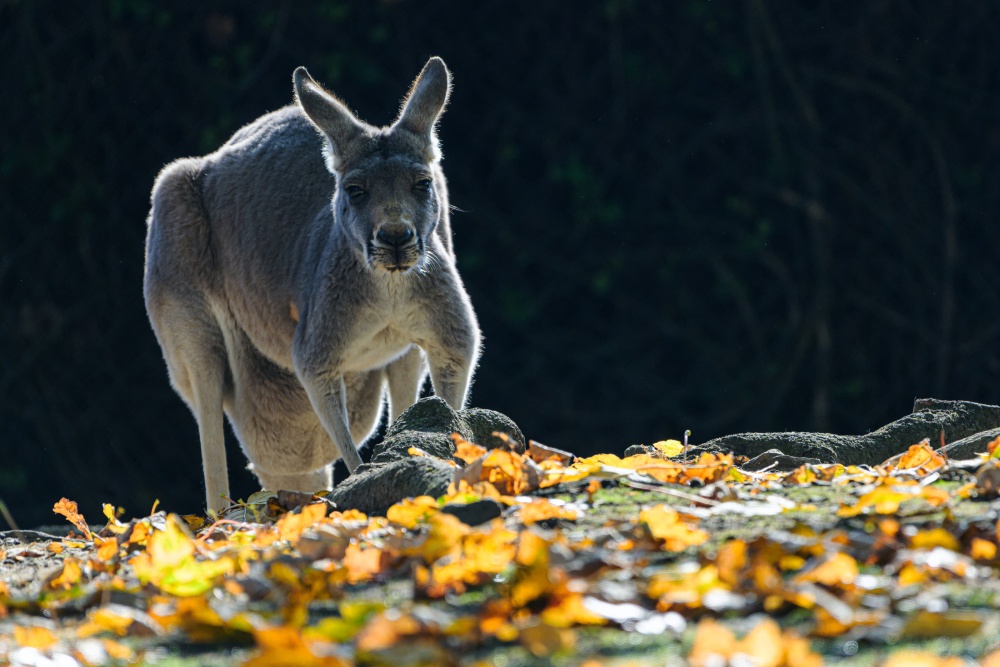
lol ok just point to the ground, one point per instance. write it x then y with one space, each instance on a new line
648 560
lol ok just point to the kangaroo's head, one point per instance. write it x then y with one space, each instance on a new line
390 191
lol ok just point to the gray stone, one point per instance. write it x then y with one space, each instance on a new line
475 513
956 419
380 487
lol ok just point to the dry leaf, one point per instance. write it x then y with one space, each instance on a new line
68 509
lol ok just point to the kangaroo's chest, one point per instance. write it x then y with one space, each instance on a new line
382 334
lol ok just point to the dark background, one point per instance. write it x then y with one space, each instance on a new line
716 216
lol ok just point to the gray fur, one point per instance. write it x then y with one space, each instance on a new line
291 304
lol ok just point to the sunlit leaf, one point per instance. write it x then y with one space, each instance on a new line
465 450
934 537
411 511
669 448
540 509
921 458
291 525
34 636
835 570
68 577
68 509
665 525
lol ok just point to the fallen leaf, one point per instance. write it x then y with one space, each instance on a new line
34 636
665 525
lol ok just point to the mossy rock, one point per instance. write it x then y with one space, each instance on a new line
429 423
393 474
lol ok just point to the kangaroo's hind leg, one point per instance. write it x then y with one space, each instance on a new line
194 349
177 285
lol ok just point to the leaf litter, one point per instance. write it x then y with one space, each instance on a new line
714 564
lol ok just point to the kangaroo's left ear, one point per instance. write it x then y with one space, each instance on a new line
426 101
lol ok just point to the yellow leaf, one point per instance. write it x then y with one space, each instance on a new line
411 511
531 580
935 537
665 524
466 450
540 509
290 526
910 574
731 560
763 644
362 564
194 521
922 458
55 547
169 562
669 448
69 577
107 548
68 509
114 525
33 636
836 570
104 620
981 549
713 644
884 499
993 447
118 651
284 646
570 611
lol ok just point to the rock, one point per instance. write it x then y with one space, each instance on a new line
429 423
392 474
482 424
380 487
779 461
474 513
968 447
635 450
930 417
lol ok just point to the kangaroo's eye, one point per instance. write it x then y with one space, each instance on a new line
355 191
423 185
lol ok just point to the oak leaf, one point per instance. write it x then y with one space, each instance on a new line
68 509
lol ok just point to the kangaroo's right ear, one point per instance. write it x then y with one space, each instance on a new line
326 112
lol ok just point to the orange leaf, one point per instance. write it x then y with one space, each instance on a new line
712 641
540 509
981 549
107 548
836 570
290 526
69 577
362 564
118 651
935 537
68 509
922 458
411 511
466 450
665 524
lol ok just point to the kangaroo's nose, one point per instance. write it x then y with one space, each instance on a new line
394 236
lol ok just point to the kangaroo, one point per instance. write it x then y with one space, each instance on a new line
299 271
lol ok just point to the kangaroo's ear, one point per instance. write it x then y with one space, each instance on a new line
426 100
326 112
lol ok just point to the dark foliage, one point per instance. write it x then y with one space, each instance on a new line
717 216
